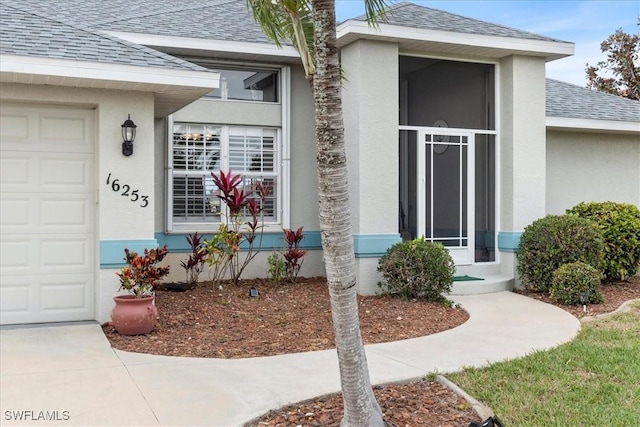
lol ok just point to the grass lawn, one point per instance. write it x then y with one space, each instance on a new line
592 381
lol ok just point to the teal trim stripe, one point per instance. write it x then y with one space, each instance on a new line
365 245
177 243
112 251
374 245
508 241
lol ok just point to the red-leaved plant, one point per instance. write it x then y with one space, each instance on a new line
293 255
142 274
195 263
243 224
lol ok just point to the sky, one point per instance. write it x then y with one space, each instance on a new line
585 22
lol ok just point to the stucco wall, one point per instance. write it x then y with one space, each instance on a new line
302 164
522 141
522 167
230 112
370 101
584 167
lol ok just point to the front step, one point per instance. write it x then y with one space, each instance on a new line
491 283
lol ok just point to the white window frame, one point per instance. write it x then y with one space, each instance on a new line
282 163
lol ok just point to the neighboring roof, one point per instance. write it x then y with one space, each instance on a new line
26 33
572 106
412 15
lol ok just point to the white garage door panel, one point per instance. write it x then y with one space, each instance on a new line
71 215
56 130
14 125
47 222
44 213
45 254
69 295
29 172
69 173
15 256
14 170
46 299
15 298
58 255
14 214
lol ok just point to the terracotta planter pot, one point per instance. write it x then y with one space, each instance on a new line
133 316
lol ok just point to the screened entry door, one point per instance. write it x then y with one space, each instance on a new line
445 208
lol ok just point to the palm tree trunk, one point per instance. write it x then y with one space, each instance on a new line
360 405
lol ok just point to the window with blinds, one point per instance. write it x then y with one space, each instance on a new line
197 149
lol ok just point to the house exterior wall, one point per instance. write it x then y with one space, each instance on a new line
299 160
121 222
302 156
591 167
522 151
370 102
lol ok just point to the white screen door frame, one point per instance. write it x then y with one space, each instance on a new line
446 196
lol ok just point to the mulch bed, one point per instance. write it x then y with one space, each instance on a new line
615 294
285 318
415 404
226 323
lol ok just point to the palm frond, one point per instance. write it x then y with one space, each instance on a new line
375 11
287 20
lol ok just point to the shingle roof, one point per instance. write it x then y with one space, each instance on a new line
227 20
71 29
27 33
415 16
206 19
570 101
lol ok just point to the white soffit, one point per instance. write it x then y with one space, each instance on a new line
173 88
212 48
590 125
449 42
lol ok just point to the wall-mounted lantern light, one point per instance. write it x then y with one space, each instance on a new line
128 135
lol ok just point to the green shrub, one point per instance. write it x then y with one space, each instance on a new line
417 269
620 225
549 242
571 279
277 270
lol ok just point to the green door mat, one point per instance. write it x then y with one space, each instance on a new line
465 278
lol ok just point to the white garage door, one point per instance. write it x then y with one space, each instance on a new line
47 216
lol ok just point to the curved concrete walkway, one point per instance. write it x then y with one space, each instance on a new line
72 372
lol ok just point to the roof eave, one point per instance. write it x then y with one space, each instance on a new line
592 125
173 88
448 42
231 50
